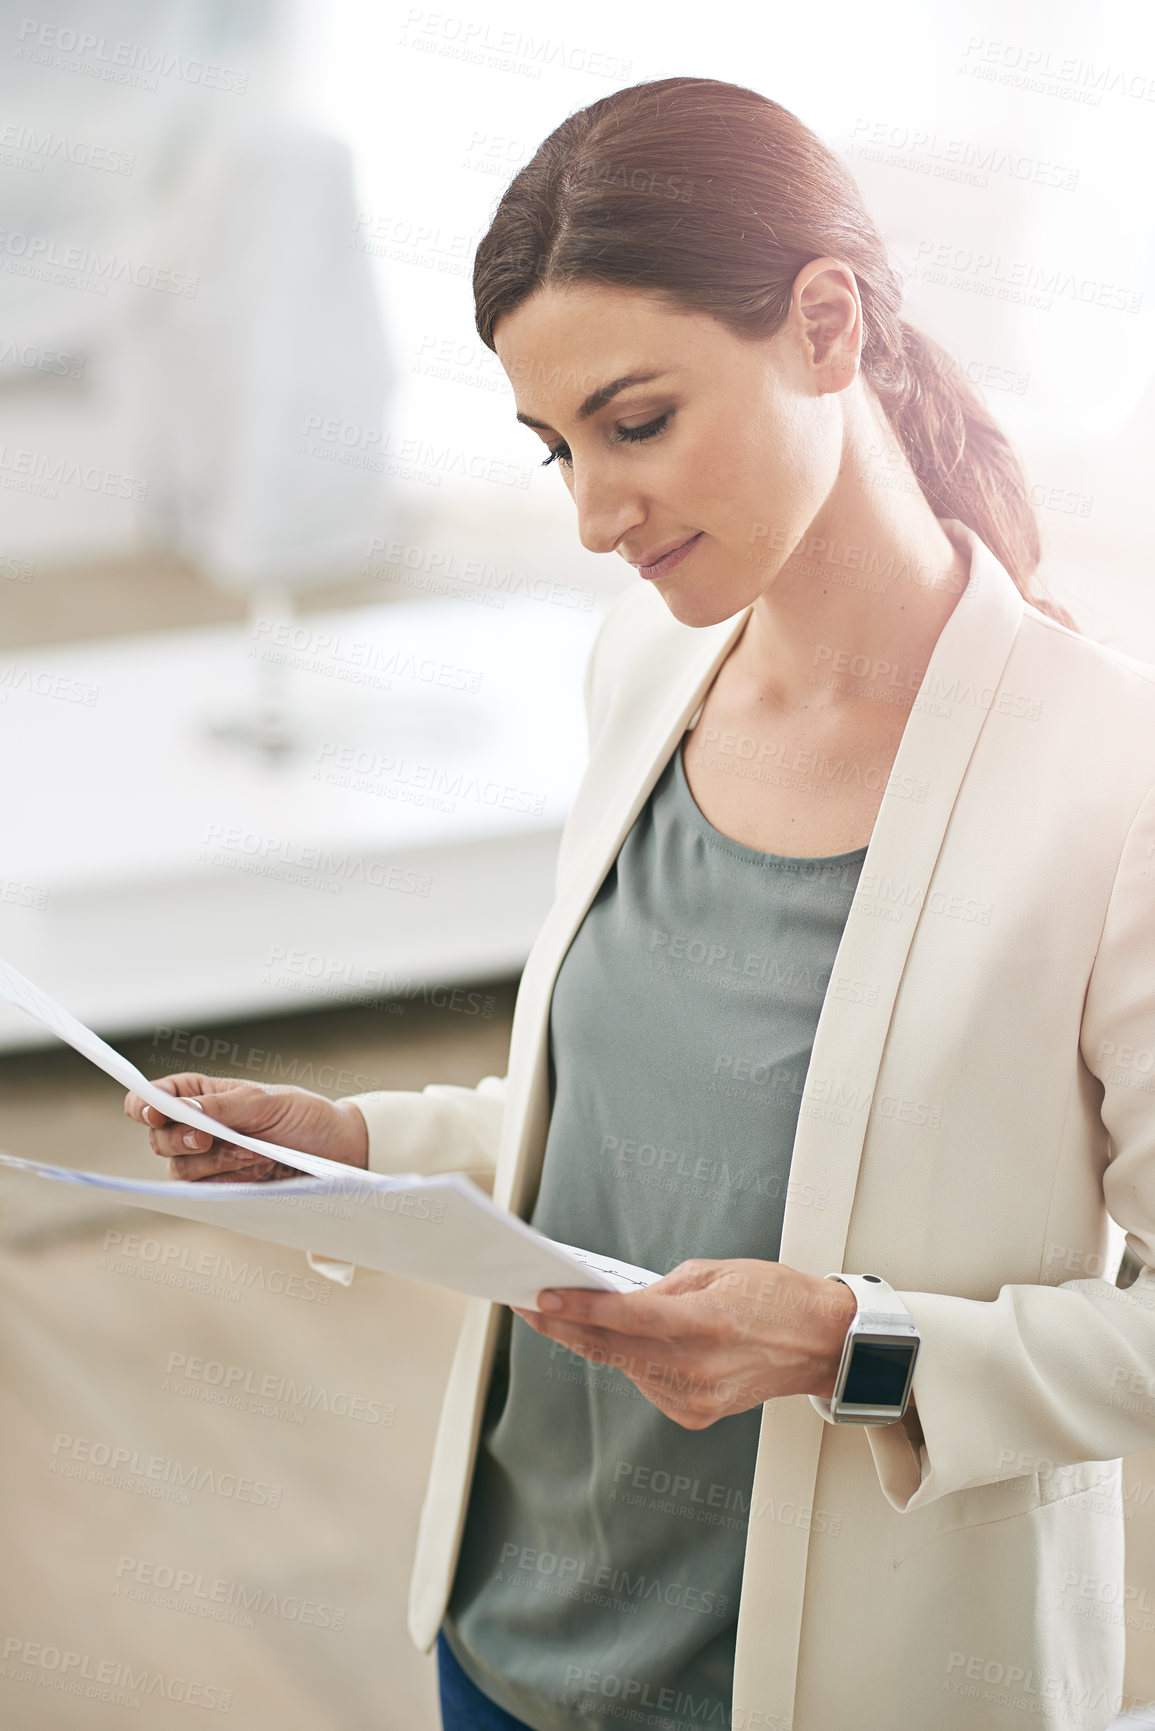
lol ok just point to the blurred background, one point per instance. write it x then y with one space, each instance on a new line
292 630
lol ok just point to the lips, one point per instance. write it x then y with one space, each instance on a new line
664 559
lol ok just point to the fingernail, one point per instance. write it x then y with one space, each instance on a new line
146 1114
549 1301
190 1138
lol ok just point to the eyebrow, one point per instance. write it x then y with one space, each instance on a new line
599 398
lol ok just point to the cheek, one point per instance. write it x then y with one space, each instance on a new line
743 469
781 476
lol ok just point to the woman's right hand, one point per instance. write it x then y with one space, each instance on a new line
294 1117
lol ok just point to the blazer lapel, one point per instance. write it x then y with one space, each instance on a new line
936 746
526 1115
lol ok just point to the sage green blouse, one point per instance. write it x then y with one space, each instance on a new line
601 1562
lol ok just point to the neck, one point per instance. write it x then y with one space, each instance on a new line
862 599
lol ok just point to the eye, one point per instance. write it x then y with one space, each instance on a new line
650 431
625 436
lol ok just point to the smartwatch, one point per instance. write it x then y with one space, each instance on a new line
877 1364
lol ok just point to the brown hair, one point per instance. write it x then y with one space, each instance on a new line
715 196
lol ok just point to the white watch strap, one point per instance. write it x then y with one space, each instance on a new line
875 1298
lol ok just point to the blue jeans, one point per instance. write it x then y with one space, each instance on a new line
463 1706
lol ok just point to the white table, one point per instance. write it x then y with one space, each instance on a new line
151 875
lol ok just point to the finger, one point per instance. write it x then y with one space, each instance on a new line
550 1330
177 1138
182 1139
689 1276
249 1175
643 1312
596 1343
221 1158
260 1172
532 1320
135 1107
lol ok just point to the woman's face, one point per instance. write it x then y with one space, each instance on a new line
733 445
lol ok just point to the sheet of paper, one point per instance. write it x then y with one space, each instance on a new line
444 1230
20 991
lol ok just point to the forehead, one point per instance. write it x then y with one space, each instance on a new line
564 342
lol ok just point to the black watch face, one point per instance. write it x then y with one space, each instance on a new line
877 1373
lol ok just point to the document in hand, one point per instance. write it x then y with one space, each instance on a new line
443 1230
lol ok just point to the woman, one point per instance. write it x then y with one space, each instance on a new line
853 932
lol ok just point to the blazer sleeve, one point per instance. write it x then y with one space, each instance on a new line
1044 1376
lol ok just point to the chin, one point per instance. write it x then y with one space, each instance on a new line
695 607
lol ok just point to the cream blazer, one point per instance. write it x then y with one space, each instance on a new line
980 1097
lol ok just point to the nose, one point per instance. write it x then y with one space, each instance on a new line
607 509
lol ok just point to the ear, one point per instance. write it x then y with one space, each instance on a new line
826 306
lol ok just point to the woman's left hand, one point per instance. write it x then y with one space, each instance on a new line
709 1338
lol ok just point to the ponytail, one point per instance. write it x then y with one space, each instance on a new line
964 462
